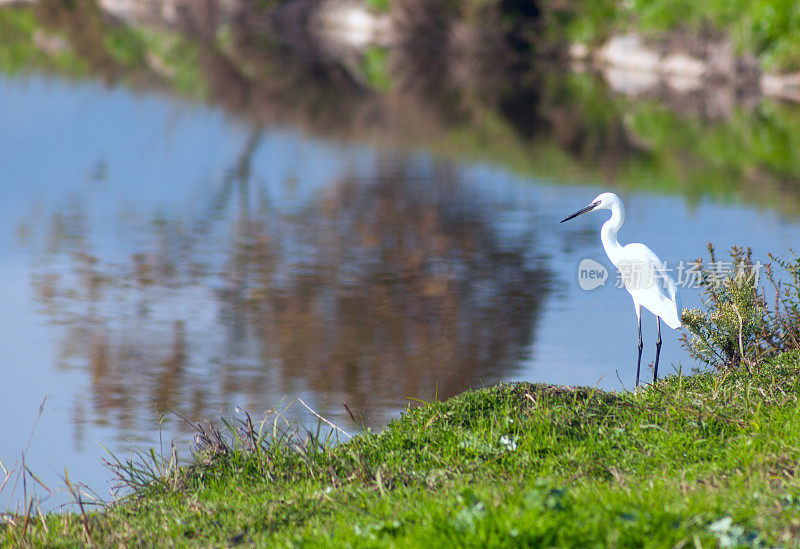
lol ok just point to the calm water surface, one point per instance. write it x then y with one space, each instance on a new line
159 254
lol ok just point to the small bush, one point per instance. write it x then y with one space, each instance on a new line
784 320
732 328
736 325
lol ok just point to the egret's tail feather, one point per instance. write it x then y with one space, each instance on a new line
673 319
673 322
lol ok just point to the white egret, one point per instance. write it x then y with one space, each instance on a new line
643 273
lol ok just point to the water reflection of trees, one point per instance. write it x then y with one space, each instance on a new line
391 285
405 291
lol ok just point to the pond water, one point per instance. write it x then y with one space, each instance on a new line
162 254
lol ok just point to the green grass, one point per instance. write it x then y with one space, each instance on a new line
374 67
380 6
117 48
768 29
710 459
19 52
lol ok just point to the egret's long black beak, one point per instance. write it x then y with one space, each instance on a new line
588 208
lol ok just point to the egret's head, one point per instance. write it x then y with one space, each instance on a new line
604 201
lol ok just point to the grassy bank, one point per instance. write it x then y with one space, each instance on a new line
766 29
709 459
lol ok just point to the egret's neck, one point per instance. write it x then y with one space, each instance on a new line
608 234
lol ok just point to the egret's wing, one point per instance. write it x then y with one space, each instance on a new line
654 289
665 282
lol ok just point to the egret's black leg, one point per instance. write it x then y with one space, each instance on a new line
658 349
639 362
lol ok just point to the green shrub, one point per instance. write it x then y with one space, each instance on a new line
731 328
784 320
737 326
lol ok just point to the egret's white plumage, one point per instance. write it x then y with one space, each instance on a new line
643 273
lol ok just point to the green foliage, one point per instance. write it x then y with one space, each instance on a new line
769 29
730 331
168 54
379 6
29 42
766 137
16 39
590 22
772 30
669 14
374 66
702 460
737 325
784 319
126 47
19 51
